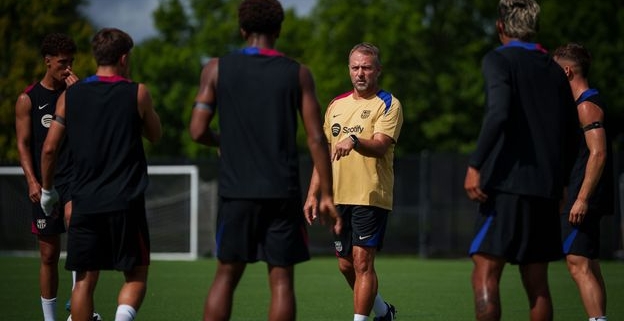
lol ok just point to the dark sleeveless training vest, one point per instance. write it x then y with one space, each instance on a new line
104 130
258 98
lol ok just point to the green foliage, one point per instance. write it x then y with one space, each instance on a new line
598 26
172 22
170 77
170 65
23 25
431 55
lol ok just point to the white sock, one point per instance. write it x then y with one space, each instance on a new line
357 317
125 313
600 318
49 309
379 306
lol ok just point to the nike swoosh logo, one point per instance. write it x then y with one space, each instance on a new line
334 116
364 237
44 106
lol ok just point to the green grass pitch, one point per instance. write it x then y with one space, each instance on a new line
420 289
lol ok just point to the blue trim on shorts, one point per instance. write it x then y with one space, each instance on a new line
218 237
569 240
476 243
373 241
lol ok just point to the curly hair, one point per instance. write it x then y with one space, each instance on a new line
109 44
260 16
577 54
56 43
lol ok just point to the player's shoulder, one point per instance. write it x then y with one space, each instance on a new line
30 88
589 107
213 62
23 99
387 98
338 100
143 95
495 56
341 96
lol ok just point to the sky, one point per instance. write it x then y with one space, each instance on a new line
135 17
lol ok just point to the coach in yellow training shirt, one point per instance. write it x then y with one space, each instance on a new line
362 127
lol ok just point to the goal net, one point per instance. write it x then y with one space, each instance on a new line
171 201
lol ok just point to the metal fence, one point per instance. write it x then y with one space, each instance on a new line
432 216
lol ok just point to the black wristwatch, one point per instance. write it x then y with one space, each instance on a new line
355 140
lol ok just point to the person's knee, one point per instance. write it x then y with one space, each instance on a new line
535 280
49 259
137 274
49 250
578 266
363 260
281 276
364 266
345 266
487 269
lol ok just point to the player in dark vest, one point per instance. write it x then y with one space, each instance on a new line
33 115
258 93
521 164
104 118
590 190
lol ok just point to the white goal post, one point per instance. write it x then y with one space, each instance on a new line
172 199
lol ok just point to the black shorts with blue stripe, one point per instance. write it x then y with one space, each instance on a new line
518 228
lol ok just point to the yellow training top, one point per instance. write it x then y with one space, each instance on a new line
358 179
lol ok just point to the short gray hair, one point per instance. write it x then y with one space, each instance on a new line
368 49
519 18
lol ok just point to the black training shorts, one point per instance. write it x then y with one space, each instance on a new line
270 230
582 239
117 240
521 229
363 226
55 223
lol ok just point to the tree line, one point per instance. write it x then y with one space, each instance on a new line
431 53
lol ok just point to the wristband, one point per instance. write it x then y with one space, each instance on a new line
204 106
593 125
355 140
